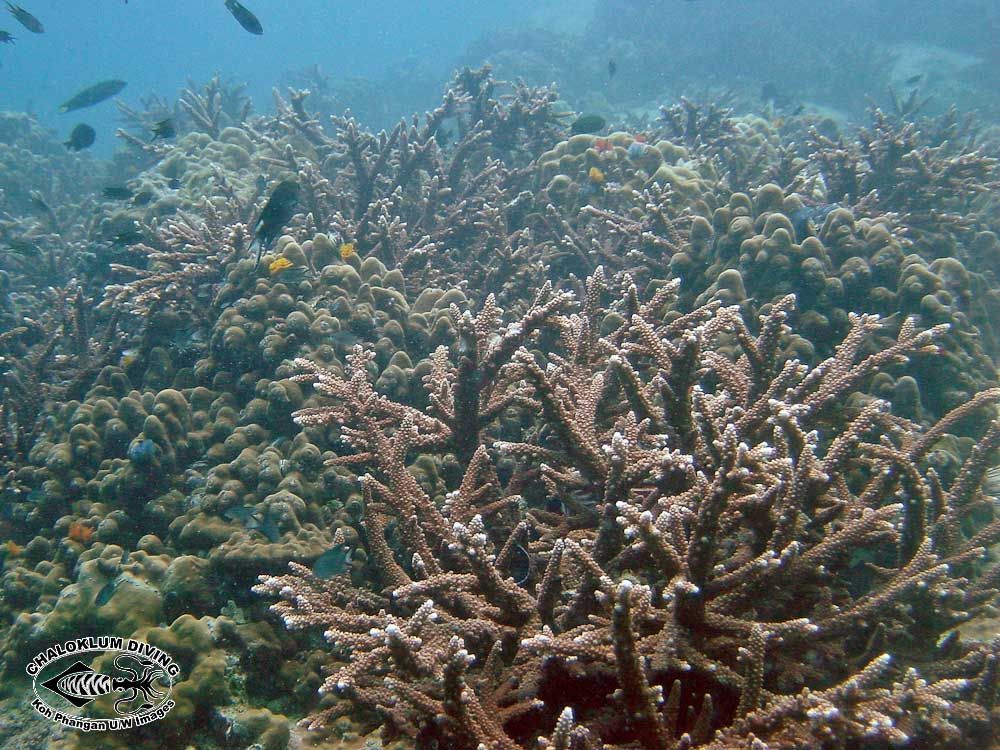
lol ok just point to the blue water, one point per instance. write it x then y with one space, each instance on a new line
665 46
156 45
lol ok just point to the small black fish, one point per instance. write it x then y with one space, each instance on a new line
252 521
914 80
24 248
612 69
260 183
106 593
6 37
245 18
27 20
280 207
588 124
164 129
806 219
117 193
128 237
143 198
92 95
82 137
264 526
333 562
38 203
521 570
174 183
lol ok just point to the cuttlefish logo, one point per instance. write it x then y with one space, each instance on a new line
65 684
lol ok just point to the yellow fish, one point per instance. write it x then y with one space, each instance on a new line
279 265
596 176
129 357
346 250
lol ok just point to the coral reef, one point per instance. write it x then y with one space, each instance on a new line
680 558
652 437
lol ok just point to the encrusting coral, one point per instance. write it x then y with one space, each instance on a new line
670 557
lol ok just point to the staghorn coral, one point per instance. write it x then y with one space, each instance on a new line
684 518
50 359
927 175
752 251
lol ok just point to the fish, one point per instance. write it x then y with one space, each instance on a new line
6 37
27 20
107 592
127 237
117 193
278 265
991 482
596 175
143 453
164 129
345 339
253 521
10 548
333 562
24 248
92 95
280 207
266 527
143 198
914 80
805 219
83 136
612 69
238 513
588 124
244 17
38 203
521 571
174 183
128 358
347 250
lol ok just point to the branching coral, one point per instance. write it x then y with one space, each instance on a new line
672 559
929 183
55 358
407 200
189 260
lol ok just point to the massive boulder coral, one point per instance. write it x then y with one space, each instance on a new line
673 556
